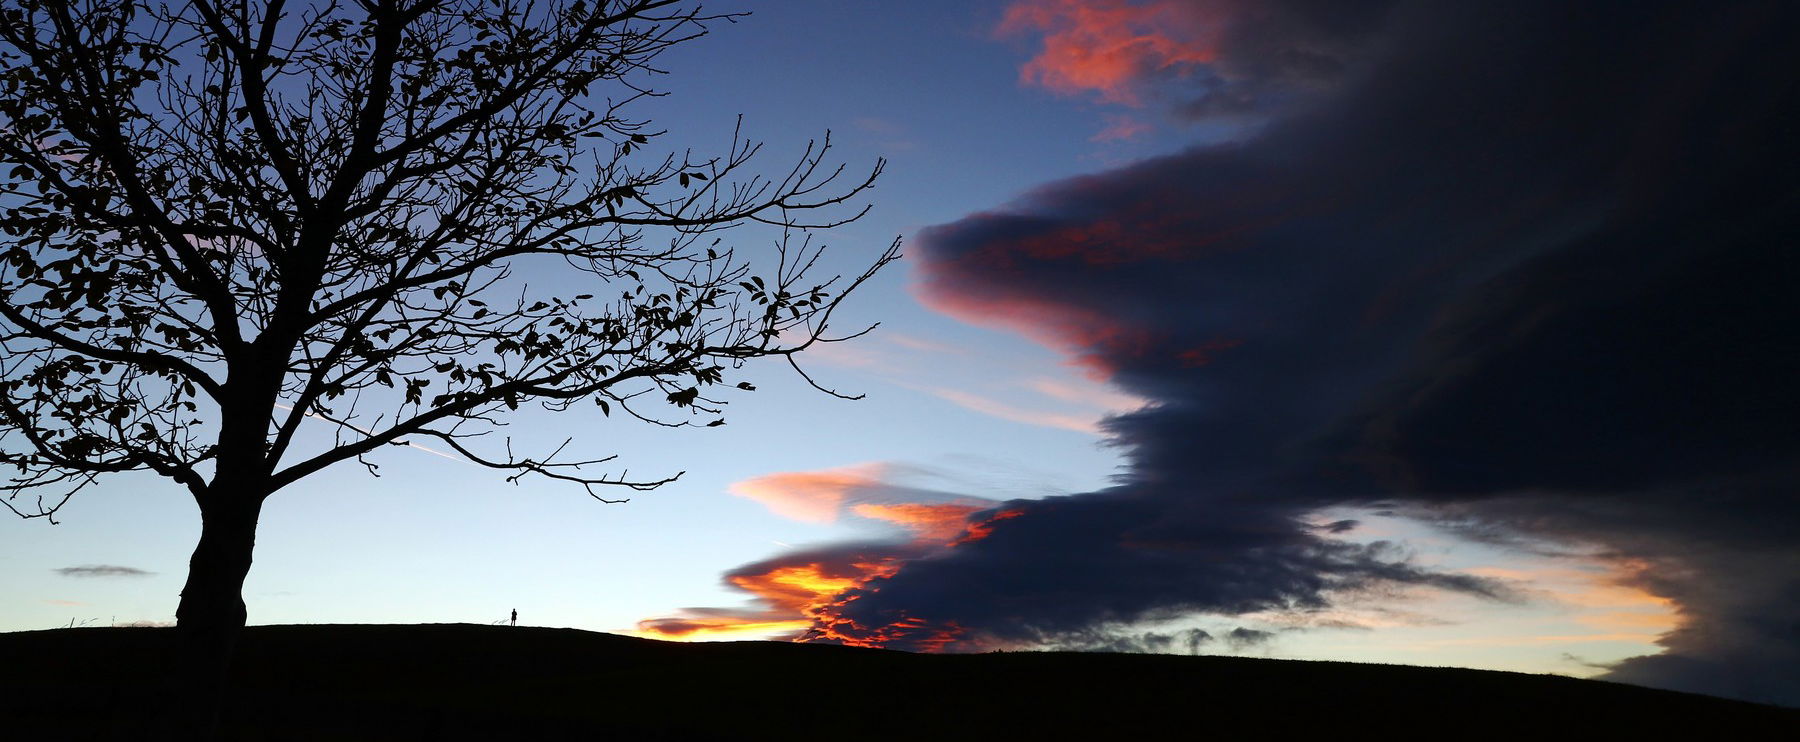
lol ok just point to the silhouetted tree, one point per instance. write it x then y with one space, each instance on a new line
227 223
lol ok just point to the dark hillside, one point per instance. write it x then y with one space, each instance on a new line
494 683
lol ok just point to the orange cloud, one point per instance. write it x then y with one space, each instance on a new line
801 595
716 628
1109 46
983 529
939 522
796 597
801 587
809 496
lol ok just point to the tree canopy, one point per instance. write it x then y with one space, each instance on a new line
399 220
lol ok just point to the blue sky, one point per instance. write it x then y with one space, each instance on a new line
434 539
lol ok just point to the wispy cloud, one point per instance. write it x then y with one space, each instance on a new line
408 444
810 496
890 135
1121 128
872 490
911 342
906 361
102 570
1086 393
1080 423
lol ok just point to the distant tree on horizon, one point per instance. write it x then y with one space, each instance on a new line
228 224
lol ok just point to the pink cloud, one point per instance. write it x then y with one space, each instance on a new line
1086 393
1108 47
810 496
1080 423
1087 336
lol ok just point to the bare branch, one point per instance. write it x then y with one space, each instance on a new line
228 224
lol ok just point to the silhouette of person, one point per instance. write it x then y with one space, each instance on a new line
515 617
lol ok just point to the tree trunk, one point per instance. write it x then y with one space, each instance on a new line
211 613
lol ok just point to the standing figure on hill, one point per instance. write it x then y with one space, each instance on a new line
515 617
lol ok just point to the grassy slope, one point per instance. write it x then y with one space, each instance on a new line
498 683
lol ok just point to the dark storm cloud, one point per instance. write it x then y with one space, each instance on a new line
1136 553
1529 270
1274 53
1241 638
102 570
1188 641
1725 552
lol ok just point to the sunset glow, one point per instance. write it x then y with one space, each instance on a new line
803 599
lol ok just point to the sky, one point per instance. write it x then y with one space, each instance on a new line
1449 334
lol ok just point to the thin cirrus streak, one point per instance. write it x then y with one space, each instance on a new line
1121 129
1089 424
408 444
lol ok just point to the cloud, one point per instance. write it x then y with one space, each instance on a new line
1108 47
1196 58
1096 396
800 593
890 136
935 522
810 496
1065 565
911 342
1520 269
1240 638
1079 423
102 570
1580 661
1187 641
1122 129
873 490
